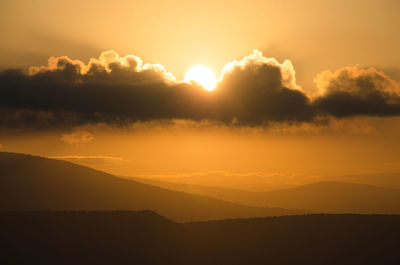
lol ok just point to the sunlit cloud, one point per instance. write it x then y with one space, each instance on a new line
121 90
257 59
91 160
352 91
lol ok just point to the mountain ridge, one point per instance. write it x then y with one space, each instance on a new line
36 183
333 196
147 238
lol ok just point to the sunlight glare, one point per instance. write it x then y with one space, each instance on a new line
202 75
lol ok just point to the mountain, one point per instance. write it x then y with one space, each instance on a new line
337 197
328 197
35 183
222 193
146 238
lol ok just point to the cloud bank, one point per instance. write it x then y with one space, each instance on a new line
118 91
350 91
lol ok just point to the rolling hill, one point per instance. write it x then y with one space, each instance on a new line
146 238
29 183
337 197
222 193
328 197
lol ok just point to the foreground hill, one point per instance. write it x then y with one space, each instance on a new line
329 197
147 238
37 183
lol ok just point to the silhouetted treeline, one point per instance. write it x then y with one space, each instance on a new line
147 238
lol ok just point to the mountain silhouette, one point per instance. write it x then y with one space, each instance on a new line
337 197
29 183
327 196
146 238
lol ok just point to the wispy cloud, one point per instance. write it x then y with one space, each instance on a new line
90 160
77 137
87 157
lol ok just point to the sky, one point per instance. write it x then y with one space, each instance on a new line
306 90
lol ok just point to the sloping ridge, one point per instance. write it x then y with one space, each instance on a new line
222 193
327 196
145 238
36 183
337 197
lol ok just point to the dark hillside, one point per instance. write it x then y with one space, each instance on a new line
327 196
36 183
147 238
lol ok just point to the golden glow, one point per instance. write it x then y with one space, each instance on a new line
203 76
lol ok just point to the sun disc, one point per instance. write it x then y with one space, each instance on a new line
202 75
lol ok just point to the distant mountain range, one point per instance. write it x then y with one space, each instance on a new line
145 238
37 183
328 197
30 183
57 212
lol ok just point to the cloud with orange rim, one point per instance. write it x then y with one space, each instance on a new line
121 90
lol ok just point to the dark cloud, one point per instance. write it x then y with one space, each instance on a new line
351 91
258 90
120 90
110 90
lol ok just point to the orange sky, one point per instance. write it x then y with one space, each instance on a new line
238 158
314 35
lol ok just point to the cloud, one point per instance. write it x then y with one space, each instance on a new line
351 91
251 181
89 160
112 89
77 137
120 90
256 90
84 157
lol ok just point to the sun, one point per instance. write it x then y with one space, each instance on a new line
202 75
